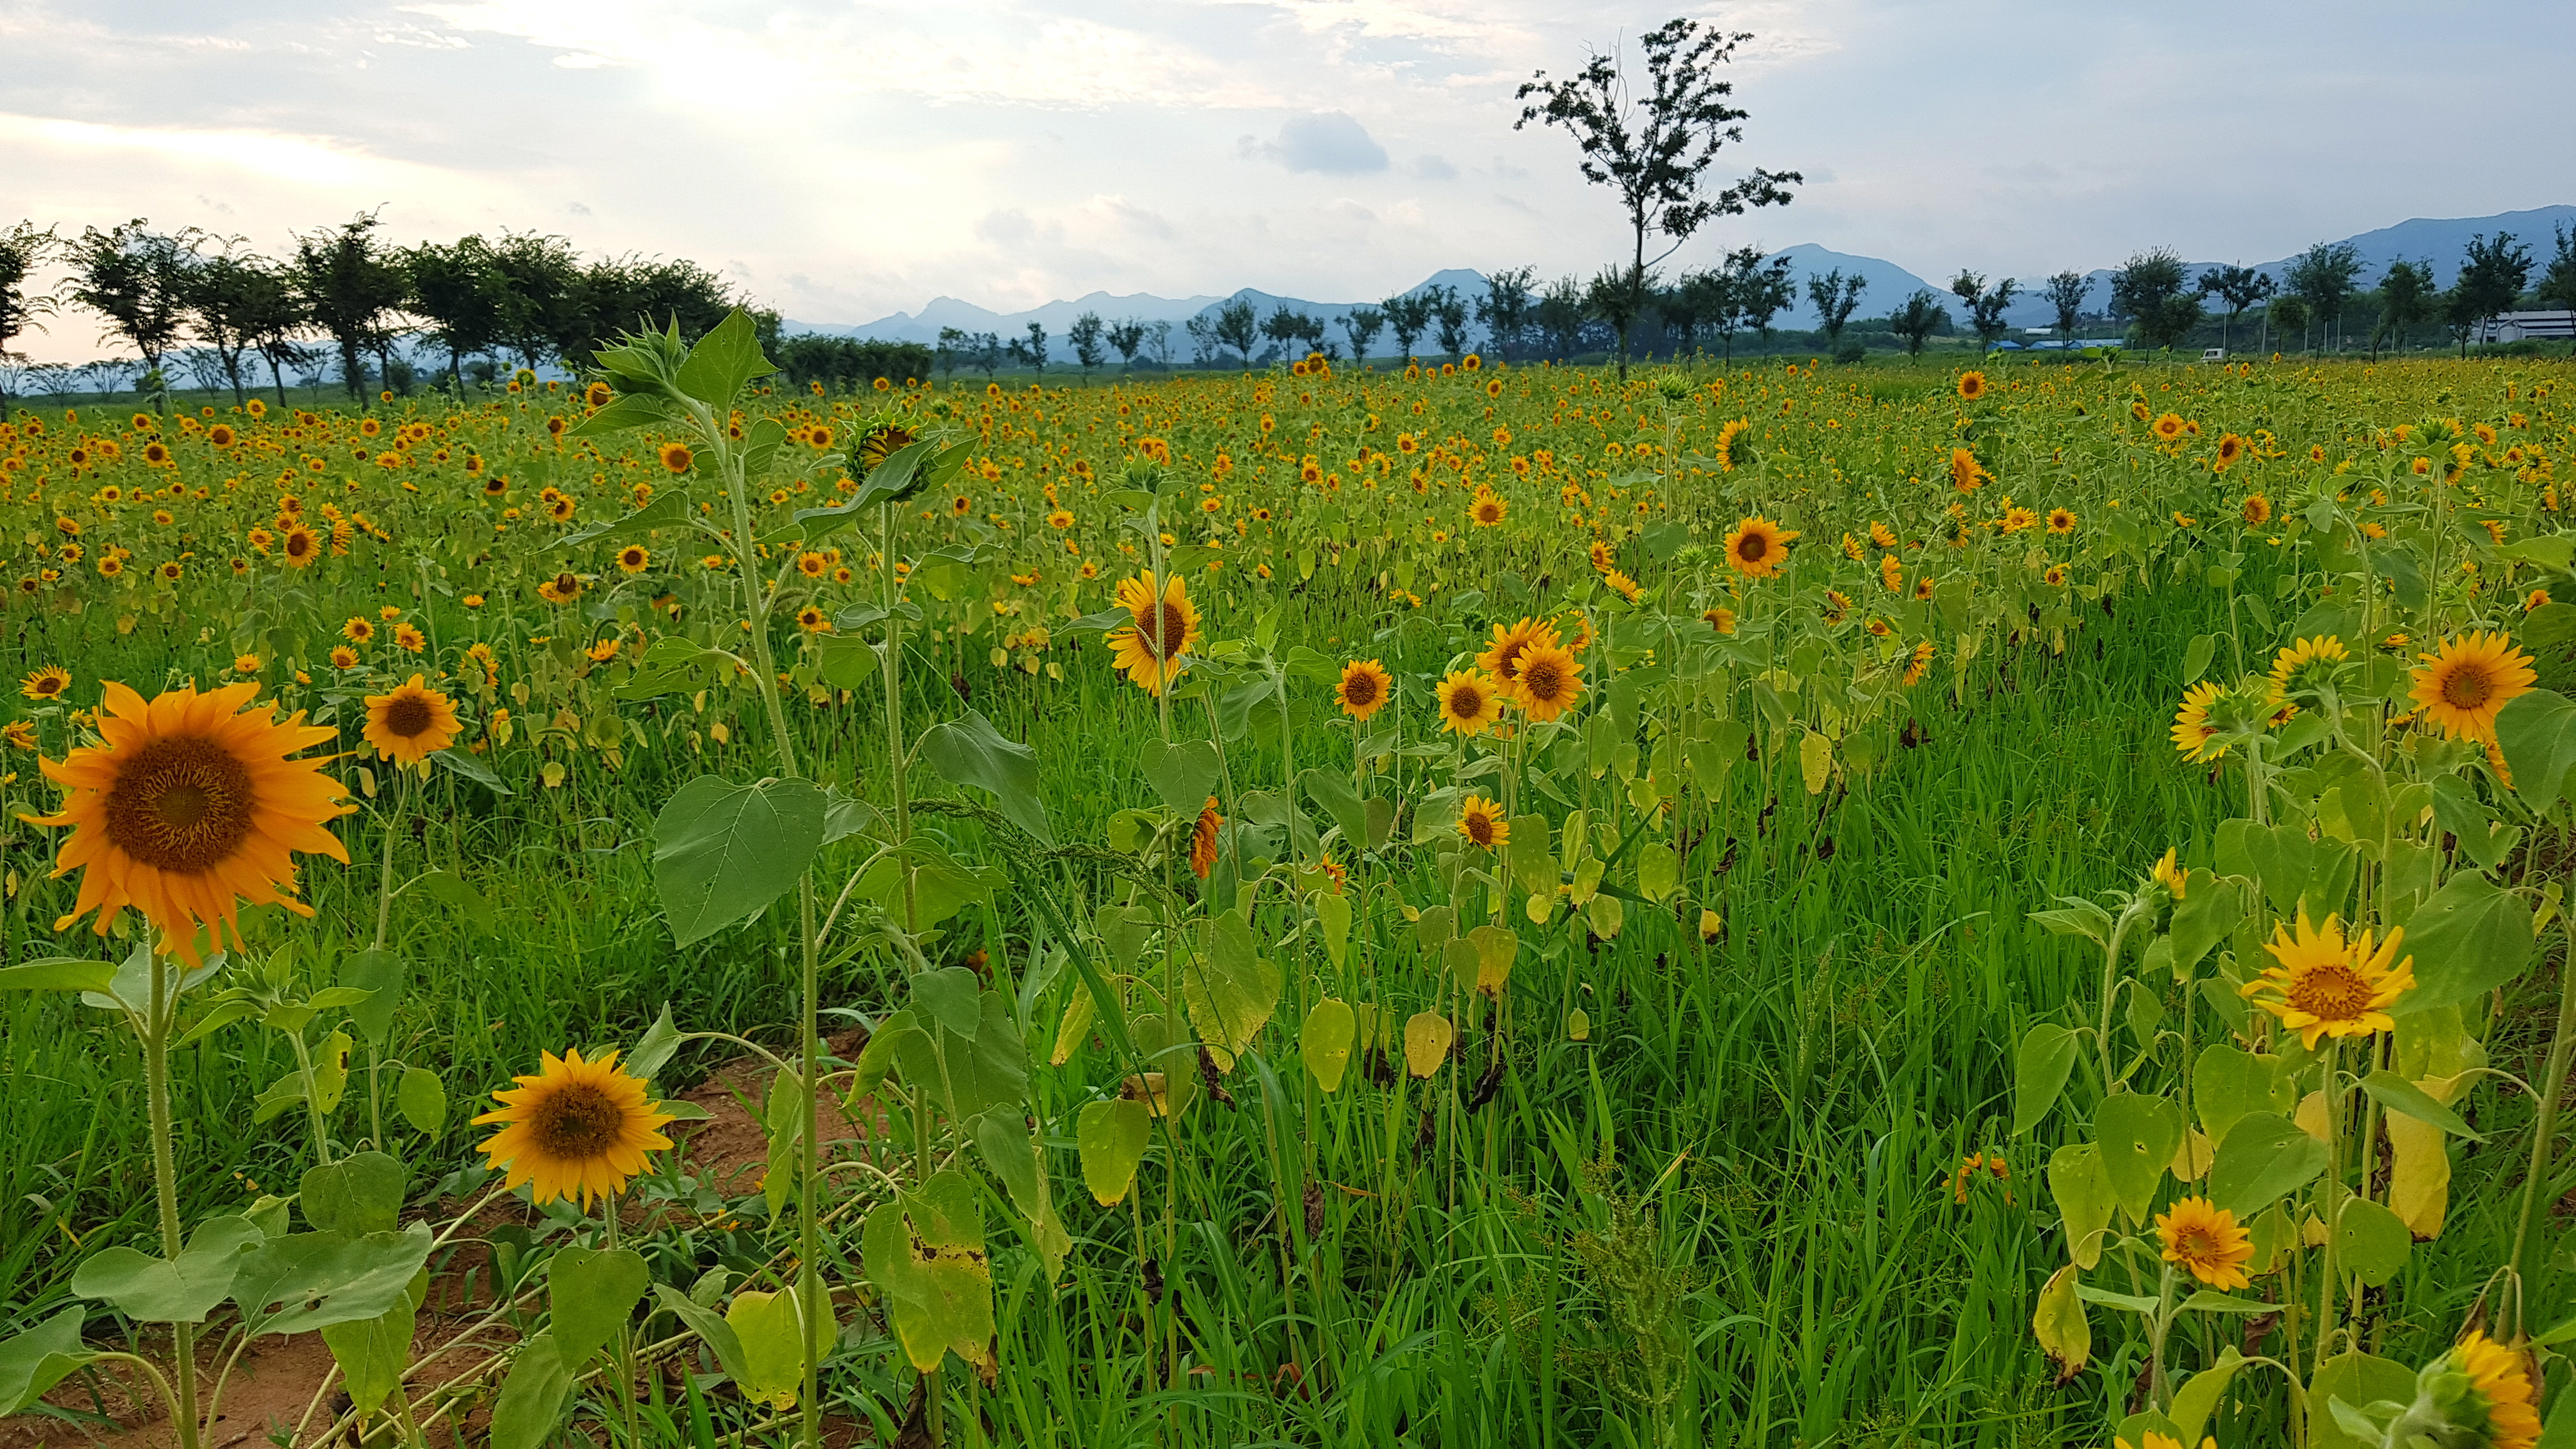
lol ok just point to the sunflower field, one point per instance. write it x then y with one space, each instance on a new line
1460 905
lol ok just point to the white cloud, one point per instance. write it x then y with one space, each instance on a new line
1329 143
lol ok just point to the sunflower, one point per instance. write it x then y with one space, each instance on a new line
411 723
633 558
300 547
343 657
2230 448
2018 518
1891 572
576 1129
1364 689
1167 627
2207 1241
1203 839
1967 475
1972 386
1481 821
2061 520
2257 510
1757 547
1502 657
1921 663
2327 986
2305 665
1470 702
2499 1386
563 588
2192 731
2169 873
1550 681
48 682
1061 519
2168 426
1487 510
1720 619
2468 679
409 639
1731 449
20 733
189 807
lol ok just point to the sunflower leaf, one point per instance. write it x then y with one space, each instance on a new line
2265 1157
40 1358
667 510
2471 937
458 762
970 751
722 852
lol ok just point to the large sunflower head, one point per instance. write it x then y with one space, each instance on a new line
1502 654
2207 1241
1732 451
880 441
1758 547
1166 628
411 723
2325 986
1550 681
1470 702
2463 684
1487 510
1481 821
576 1129
187 807
1364 689
1966 473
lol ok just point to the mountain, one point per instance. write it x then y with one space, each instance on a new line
923 326
1889 284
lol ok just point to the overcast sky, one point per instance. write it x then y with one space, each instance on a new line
841 159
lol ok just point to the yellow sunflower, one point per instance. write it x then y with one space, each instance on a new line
48 682
1203 839
1502 655
1758 547
2169 426
2304 665
300 547
1487 510
633 558
1364 689
2468 679
1166 627
1972 386
1550 681
2192 731
1731 448
411 723
576 1129
1966 473
2061 520
1470 702
2207 1241
1481 821
190 806
2500 1386
2326 986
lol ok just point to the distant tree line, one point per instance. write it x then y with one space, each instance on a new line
346 299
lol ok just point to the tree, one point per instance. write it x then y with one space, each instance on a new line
2287 312
349 286
22 249
952 349
2491 279
1450 312
2239 287
1030 351
1159 336
1362 325
1834 295
1918 319
984 351
1985 307
1764 292
1129 338
2405 298
2323 277
1717 295
1655 149
1408 316
1237 326
1677 308
535 288
452 288
2151 289
1283 327
1618 299
237 301
629 293
137 279
1504 310
1559 317
2066 293
1085 334
2557 284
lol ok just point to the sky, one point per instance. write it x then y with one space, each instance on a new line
843 159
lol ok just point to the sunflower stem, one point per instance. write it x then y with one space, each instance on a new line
2331 1194
2544 1133
155 1031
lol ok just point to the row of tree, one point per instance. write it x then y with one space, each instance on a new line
347 294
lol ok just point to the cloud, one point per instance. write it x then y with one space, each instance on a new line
1328 142
1434 168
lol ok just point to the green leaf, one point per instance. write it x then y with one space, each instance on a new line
626 410
669 509
925 1249
2040 1069
532 1396
2060 1326
2080 919
719 1335
2263 1158
723 363
461 762
36 1360
2210 910
1111 1137
2139 1136
2210 1301
2199 1395
1325 1042
2228 1082
2371 1242
722 851
2125 1302
2195 658
2085 1202
159 1290
57 973
305 1281
2471 937
2356 1379
355 1196
773 1348
785 1121
383 976
673 665
653 1051
1183 775
372 1353
1659 872
2400 1095
1002 1137
1333 913
591 1292
878 1056
1230 989
966 1075
1332 793
970 751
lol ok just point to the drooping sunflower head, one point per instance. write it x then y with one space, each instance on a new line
576 1129
1203 839
2207 1241
2308 668
189 806
2323 985
410 723
2194 733
1732 451
1758 547
1481 821
1364 690
1966 473
1720 619
1550 681
2483 1388
1470 702
2462 685
880 441
1166 628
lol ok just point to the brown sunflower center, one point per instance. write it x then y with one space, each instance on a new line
577 1121
2331 992
1480 828
1754 548
408 715
180 805
2467 686
1466 702
1360 690
1544 679
1162 628
48 686
2198 1244
299 543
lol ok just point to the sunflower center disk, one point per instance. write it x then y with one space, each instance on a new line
407 716
1543 680
578 1122
180 805
1161 629
2466 689
2330 993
